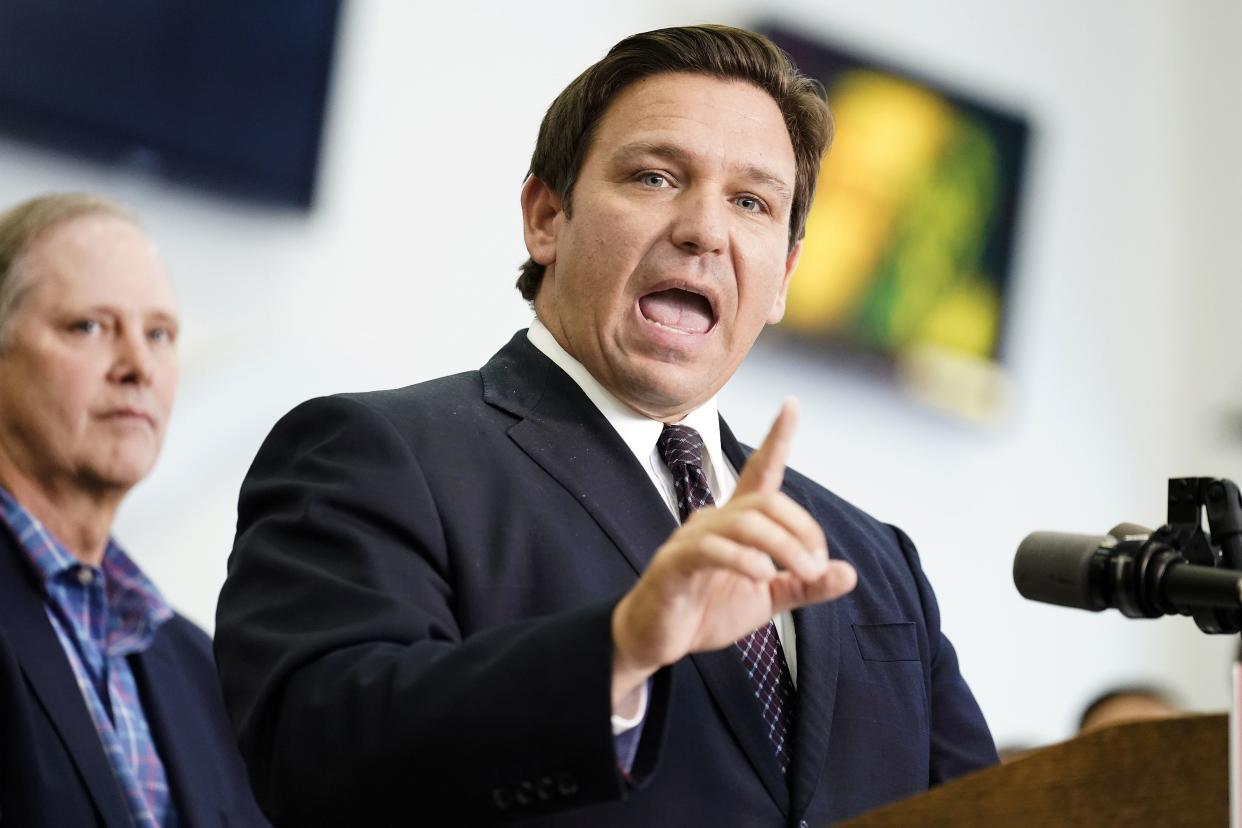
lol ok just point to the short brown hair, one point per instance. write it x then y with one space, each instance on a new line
719 51
22 225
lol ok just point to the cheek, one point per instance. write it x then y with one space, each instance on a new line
755 298
166 388
76 394
599 280
762 274
615 243
60 391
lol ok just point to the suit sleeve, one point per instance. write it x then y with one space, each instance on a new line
960 739
356 698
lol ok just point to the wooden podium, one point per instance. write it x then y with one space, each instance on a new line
1167 773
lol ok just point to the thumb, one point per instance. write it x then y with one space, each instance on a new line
765 470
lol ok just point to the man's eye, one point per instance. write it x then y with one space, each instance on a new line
653 179
86 326
751 204
162 334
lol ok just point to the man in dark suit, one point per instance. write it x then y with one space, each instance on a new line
110 711
557 591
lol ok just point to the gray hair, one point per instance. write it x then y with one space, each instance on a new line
21 226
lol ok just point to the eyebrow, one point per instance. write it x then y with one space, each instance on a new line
644 149
166 318
160 315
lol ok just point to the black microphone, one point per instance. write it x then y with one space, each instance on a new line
1130 569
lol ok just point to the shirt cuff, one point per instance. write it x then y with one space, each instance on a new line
620 724
626 732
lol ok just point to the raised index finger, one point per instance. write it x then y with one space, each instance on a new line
765 470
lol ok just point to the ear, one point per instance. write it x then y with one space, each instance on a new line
540 209
778 303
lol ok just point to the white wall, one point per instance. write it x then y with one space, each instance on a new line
404 272
1210 399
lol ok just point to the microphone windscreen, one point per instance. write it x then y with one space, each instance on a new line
1055 568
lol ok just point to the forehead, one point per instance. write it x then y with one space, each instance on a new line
98 258
732 122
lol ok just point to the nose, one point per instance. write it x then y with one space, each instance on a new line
133 362
700 225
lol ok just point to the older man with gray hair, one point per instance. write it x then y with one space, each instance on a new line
109 707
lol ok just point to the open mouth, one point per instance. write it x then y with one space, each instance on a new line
680 310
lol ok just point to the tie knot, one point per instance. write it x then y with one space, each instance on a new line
680 447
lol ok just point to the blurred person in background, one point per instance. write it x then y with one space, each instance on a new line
110 710
1127 703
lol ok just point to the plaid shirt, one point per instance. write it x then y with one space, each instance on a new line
101 615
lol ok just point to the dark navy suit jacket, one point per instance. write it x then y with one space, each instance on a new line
416 630
53 768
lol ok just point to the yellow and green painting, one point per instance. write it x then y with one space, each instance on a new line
910 239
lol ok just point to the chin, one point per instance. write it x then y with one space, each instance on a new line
661 391
123 475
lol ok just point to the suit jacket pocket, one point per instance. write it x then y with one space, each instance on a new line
887 642
881 703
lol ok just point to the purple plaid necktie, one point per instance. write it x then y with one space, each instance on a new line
681 449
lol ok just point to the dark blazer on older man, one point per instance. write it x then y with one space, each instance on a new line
415 630
53 768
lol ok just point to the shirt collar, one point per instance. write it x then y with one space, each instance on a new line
133 598
638 431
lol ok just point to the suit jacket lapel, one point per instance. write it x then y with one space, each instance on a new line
52 679
731 688
183 748
816 632
562 431
816 627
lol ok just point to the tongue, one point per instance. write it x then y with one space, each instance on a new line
679 309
